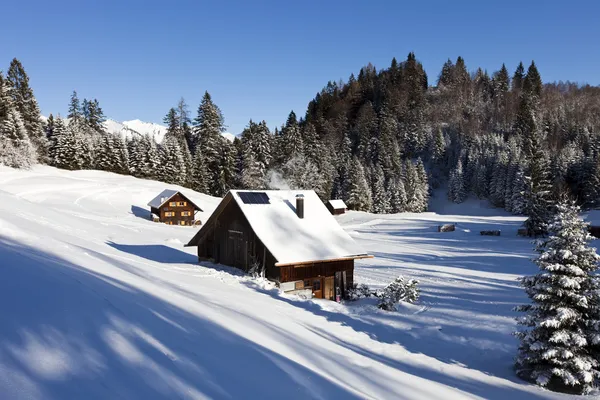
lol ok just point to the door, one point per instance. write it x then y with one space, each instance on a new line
236 248
317 287
328 288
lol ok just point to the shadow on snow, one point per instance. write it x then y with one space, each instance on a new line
68 332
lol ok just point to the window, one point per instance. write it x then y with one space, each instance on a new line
173 204
317 284
182 203
181 222
169 214
186 213
307 283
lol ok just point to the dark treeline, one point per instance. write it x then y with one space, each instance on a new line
381 141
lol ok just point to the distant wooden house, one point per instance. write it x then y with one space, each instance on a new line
289 235
336 207
173 208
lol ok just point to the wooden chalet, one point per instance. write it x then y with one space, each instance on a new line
290 235
336 207
173 208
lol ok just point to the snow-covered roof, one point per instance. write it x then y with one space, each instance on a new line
293 240
165 196
337 204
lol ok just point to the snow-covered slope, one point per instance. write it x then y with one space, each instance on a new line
98 302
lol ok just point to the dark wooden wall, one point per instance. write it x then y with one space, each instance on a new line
176 220
335 211
231 241
325 268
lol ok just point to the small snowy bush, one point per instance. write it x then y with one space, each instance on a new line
358 292
400 289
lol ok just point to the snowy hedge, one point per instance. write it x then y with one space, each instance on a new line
400 289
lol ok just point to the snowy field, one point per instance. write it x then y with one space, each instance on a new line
98 302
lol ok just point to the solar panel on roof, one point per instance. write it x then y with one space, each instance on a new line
254 197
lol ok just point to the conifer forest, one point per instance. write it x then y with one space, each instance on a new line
381 141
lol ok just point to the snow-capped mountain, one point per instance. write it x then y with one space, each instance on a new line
136 127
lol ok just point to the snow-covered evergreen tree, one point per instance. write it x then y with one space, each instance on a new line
172 164
68 152
456 185
199 177
26 105
555 350
381 198
359 194
397 195
208 125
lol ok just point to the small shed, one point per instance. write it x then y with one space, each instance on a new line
174 208
289 235
337 206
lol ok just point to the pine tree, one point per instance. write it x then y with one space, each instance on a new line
381 198
26 106
252 175
227 167
69 151
532 84
555 350
207 137
537 187
172 122
342 164
292 141
172 164
359 194
199 181
397 195
518 202
456 185
518 77
74 107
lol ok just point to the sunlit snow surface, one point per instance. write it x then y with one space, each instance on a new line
98 302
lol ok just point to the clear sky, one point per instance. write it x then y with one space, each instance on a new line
260 59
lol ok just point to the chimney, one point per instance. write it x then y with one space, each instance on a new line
300 205
162 200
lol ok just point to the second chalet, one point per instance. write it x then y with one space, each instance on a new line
289 234
173 208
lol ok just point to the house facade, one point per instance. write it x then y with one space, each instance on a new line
289 235
173 208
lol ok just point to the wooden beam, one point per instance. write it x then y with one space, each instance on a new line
299 264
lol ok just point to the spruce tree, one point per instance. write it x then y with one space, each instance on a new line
381 198
74 107
397 195
537 187
556 344
518 77
26 106
172 164
291 136
532 84
199 181
208 125
359 194
456 185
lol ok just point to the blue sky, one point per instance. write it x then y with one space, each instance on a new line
260 59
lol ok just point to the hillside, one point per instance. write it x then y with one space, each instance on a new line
98 302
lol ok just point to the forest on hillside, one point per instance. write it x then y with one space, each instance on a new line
381 141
